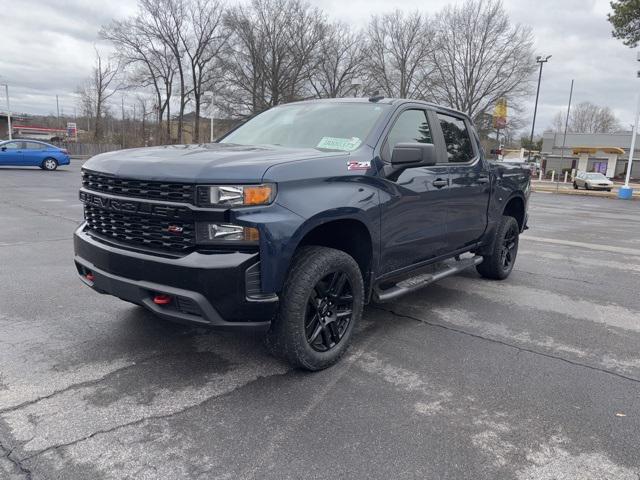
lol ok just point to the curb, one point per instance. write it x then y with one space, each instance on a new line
584 193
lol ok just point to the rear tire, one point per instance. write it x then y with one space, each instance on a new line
321 302
499 264
575 186
49 164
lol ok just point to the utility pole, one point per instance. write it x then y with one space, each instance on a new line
133 126
210 95
123 121
626 192
6 92
58 110
541 60
566 125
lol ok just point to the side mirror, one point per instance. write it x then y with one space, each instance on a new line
413 155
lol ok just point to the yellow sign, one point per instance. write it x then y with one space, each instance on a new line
500 114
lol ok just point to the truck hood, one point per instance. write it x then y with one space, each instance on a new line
213 162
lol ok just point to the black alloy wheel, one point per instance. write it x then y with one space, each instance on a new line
320 305
329 311
509 247
498 262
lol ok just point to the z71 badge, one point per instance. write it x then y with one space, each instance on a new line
358 165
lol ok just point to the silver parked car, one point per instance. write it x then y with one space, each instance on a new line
592 181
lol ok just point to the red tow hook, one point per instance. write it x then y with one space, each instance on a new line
162 299
89 276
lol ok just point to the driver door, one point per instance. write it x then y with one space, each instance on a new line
11 153
414 212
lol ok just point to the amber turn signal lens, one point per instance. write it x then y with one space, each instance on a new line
251 234
257 195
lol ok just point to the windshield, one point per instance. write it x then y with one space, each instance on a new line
325 126
596 176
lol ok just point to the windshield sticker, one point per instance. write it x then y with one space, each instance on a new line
353 165
336 143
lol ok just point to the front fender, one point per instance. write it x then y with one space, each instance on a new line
300 208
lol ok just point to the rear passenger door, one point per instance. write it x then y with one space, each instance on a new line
413 215
34 153
470 188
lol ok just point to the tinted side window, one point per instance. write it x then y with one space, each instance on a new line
410 127
35 146
456 137
12 145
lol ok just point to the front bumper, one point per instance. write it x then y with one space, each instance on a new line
208 289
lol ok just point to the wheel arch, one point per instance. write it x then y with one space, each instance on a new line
349 234
515 207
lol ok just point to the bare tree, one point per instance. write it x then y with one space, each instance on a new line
340 60
102 84
586 117
166 22
86 104
146 108
203 41
149 62
557 123
480 57
398 53
273 52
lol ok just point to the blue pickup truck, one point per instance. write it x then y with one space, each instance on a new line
296 219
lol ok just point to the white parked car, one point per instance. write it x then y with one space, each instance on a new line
592 181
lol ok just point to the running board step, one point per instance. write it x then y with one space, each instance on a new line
414 283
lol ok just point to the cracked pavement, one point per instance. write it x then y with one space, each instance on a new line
537 377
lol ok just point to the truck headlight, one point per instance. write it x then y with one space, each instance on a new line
235 195
226 234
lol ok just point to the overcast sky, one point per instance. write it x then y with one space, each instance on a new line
47 49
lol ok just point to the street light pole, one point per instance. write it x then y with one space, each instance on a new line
6 91
209 94
541 60
626 192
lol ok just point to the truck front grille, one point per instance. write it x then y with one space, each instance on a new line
173 235
169 191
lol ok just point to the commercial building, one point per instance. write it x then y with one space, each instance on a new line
4 126
606 153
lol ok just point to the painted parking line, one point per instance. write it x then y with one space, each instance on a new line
590 246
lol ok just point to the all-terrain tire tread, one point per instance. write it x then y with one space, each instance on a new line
490 266
284 338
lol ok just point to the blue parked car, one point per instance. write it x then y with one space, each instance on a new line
32 153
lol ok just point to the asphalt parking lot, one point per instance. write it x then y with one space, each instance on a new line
537 377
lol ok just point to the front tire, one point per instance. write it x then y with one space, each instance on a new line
49 164
575 186
499 264
322 300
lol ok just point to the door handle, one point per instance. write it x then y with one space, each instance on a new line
483 179
439 183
